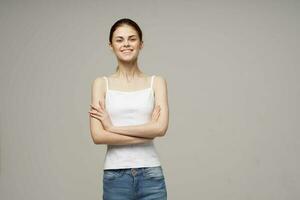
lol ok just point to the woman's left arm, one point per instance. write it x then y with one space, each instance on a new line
152 129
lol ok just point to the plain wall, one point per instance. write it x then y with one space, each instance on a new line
232 69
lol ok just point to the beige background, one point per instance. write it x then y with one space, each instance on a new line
233 77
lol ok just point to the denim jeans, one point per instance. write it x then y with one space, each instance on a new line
146 183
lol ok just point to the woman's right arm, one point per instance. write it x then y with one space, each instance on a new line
99 135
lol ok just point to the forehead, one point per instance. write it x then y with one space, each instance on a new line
124 31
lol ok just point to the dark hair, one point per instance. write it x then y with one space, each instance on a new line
125 21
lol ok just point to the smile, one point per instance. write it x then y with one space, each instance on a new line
127 50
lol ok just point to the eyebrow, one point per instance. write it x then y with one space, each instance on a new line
128 36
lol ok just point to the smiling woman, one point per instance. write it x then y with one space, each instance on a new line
128 110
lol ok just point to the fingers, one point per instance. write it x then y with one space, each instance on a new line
156 112
94 107
95 116
99 109
157 109
95 113
156 116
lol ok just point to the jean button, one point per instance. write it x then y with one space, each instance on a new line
133 171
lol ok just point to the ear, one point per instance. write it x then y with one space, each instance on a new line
141 45
110 46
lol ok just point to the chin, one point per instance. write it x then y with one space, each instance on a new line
128 59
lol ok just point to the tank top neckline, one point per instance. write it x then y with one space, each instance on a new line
130 92
120 91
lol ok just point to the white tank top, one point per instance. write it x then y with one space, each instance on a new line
125 109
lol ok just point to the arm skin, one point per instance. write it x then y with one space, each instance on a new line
98 134
147 130
154 128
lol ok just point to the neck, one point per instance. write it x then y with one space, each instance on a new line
128 70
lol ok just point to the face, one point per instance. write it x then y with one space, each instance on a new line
126 43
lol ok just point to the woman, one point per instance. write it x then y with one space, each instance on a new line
129 109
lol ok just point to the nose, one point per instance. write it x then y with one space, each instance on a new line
126 43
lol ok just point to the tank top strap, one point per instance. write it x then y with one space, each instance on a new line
152 81
106 82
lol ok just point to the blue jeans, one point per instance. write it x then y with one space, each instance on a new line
146 183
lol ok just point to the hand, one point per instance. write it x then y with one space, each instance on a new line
101 114
156 113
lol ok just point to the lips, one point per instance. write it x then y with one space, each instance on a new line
127 50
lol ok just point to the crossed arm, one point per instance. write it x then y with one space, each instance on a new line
148 130
131 134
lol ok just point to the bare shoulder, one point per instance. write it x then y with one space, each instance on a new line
99 84
160 87
98 81
159 81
